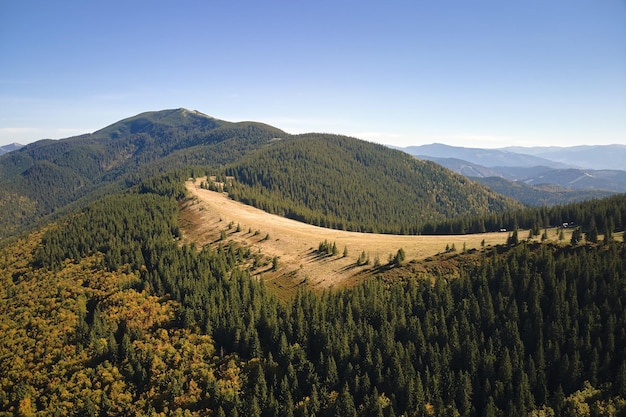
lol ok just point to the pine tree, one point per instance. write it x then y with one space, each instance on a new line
345 403
275 263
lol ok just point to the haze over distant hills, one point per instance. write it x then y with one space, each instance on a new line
10 148
588 156
599 157
543 175
484 157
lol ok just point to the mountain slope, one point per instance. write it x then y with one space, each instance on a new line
462 167
107 313
346 183
44 176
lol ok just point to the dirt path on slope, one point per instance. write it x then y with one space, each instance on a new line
209 213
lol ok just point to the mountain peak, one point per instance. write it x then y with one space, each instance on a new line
186 112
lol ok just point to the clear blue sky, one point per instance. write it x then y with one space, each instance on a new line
467 73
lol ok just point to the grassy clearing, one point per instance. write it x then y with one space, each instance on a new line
209 217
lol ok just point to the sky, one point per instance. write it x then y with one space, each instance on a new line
464 73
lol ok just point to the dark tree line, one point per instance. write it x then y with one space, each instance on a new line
602 215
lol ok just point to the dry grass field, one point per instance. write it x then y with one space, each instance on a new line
209 217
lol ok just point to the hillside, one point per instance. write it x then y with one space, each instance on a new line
112 311
515 182
210 217
540 185
45 176
323 179
349 184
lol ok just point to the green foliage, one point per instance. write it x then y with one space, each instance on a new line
399 258
344 183
608 213
275 263
513 239
136 323
577 236
363 259
328 248
47 175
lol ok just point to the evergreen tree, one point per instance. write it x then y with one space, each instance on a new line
577 236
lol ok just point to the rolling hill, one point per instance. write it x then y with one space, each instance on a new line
539 195
111 312
579 182
308 177
546 184
345 183
45 176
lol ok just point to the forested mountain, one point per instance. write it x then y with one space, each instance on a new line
105 313
47 175
342 183
607 180
346 183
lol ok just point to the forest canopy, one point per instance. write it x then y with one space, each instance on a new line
108 313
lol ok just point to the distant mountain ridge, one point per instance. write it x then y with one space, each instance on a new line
565 175
485 157
10 148
597 157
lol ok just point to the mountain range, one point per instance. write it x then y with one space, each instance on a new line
534 175
44 177
596 157
371 182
